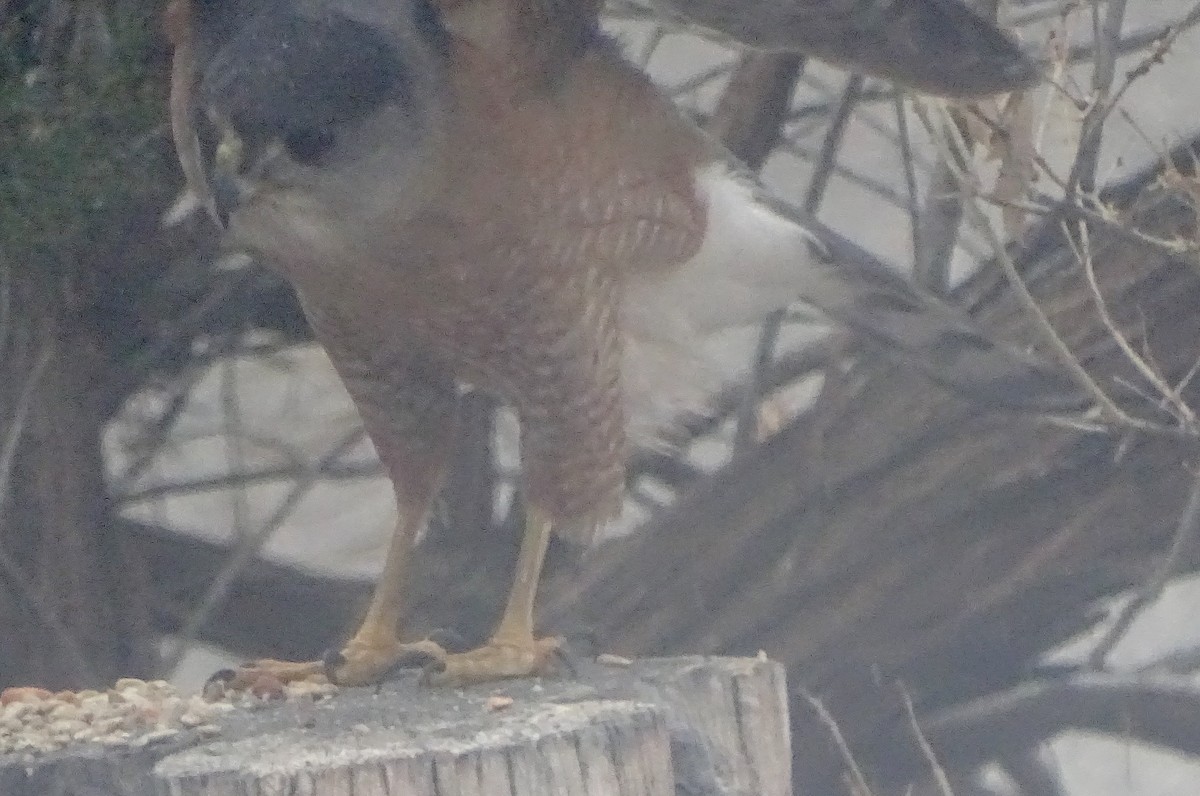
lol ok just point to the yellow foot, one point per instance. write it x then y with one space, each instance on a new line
496 660
356 664
359 664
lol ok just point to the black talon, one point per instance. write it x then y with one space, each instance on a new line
215 686
330 661
436 666
222 676
570 661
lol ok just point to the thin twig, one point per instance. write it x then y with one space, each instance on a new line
16 424
851 175
153 435
5 303
1106 35
858 781
45 612
819 182
978 220
1138 39
48 617
939 220
1186 532
910 174
700 79
813 196
247 547
1172 247
235 448
1083 255
334 472
939 773
1111 413
652 44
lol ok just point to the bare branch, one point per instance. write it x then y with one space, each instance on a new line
1031 773
858 782
935 768
910 175
1159 711
1186 532
16 423
13 573
1083 255
48 616
248 546
813 196
338 471
954 148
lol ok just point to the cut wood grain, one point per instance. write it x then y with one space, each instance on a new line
694 726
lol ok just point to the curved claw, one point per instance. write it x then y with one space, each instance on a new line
355 664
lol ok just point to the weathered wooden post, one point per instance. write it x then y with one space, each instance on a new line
664 727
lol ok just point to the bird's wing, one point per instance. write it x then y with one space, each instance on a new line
939 46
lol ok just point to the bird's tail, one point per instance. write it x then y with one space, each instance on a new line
760 254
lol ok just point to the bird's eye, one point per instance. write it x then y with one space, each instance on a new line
306 145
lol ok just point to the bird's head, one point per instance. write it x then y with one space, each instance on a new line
304 106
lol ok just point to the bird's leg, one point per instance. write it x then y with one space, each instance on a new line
375 648
512 650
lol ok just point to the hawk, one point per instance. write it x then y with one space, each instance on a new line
485 194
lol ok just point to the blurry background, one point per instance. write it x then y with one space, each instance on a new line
184 483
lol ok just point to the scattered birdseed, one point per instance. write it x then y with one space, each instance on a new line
132 713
